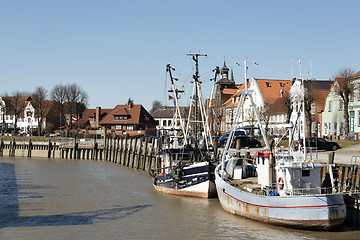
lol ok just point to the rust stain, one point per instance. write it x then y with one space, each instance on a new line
257 211
247 208
265 213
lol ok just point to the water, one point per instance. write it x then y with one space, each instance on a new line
73 199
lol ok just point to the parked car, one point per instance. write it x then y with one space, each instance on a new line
223 138
245 141
318 143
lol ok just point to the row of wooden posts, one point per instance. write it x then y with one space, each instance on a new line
347 180
139 153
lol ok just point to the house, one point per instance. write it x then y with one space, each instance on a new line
333 115
164 117
270 97
91 118
316 92
122 120
25 114
230 108
225 89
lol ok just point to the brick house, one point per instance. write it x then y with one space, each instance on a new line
122 120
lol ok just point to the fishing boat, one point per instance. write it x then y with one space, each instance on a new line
185 163
286 187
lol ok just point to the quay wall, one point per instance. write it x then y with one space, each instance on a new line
136 153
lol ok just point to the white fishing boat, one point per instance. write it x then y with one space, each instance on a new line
286 188
185 165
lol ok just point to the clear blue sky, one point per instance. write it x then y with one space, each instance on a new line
119 49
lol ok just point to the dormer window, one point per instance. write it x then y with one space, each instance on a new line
29 114
281 84
120 117
268 84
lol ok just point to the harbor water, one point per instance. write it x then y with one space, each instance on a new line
79 199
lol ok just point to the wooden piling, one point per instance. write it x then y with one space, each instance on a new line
134 152
2 147
151 154
145 153
139 155
128 158
49 149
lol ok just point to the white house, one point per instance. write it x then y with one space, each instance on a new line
269 96
333 115
318 91
28 117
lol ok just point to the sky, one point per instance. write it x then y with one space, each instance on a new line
116 50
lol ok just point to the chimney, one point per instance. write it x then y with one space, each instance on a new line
97 117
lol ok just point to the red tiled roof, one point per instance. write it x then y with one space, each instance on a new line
270 88
21 103
137 113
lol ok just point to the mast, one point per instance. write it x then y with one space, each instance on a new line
195 57
175 91
244 93
217 72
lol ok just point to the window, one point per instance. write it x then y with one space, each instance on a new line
118 117
341 105
313 127
281 84
268 84
129 127
329 109
306 173
118 127
325 128
351 96
313 108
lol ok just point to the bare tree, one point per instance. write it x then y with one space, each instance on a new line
265 114
39 102
344 88
311 97
288 105
251 119
71 101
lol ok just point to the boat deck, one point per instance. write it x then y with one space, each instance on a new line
249 184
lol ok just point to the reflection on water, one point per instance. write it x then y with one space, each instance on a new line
67 199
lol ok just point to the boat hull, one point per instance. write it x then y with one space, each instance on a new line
197 181
322 211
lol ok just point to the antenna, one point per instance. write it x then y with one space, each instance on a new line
311 68
245 70
291 66
300 68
